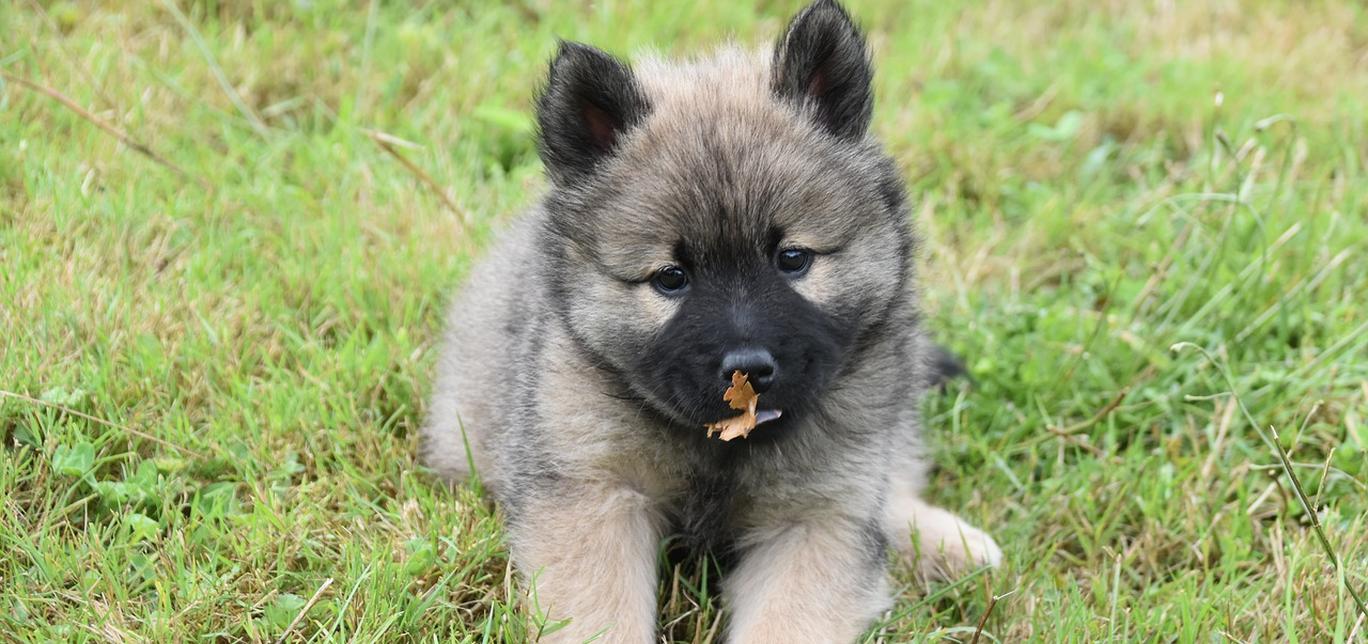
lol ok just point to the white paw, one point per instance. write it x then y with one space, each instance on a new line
950 548
982 550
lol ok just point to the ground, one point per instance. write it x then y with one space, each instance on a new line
1145 228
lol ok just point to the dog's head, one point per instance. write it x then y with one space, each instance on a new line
723 214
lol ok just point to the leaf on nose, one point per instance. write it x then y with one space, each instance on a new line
740 395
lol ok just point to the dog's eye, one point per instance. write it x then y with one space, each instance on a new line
670 280
794 261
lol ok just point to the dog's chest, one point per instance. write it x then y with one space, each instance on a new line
706 512
717 495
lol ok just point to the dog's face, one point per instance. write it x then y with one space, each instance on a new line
724 215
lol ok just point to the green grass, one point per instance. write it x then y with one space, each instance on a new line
212 381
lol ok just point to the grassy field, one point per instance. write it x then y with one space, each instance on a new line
219 295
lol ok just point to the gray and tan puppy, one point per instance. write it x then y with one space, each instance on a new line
726 213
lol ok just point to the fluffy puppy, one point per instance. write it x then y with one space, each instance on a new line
719 214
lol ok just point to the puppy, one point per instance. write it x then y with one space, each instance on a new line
728 213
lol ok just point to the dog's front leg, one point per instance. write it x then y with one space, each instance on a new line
818 581
590 551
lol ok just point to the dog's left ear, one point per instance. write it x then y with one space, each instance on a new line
821 64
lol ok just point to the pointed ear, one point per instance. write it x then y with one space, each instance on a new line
821 63
590 100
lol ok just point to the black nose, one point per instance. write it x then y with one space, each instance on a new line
757 364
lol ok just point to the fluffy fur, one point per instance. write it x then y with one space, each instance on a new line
581 386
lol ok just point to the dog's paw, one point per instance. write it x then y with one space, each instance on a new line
943 546
951 554
972 548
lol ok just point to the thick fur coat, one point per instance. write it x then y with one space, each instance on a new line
732 205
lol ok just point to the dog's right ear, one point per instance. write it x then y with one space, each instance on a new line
590 101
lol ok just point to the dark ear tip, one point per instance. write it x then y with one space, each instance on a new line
829 7
577 55
827 16
569 49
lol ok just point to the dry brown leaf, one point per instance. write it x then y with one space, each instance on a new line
740 395
729 428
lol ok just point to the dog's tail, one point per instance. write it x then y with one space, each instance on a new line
944 366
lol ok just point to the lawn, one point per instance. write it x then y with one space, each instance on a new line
1145 228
